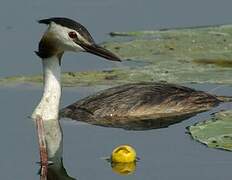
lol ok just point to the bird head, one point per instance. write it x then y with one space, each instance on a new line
64 34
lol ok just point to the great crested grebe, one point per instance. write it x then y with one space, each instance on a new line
62 35
118 106
142 106
130 106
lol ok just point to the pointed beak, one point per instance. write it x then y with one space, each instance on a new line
99 51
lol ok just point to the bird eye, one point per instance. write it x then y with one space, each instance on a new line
72 35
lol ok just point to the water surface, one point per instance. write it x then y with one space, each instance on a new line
165 153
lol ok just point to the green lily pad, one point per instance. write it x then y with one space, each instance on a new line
199 55
72 78
215 133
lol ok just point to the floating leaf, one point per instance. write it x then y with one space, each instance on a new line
199 55
215 133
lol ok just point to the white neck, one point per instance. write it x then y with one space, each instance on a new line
48 108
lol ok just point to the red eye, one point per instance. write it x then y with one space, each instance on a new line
72 35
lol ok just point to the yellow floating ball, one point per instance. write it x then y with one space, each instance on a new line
123 154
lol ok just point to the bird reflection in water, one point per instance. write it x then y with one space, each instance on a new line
58 172
54 170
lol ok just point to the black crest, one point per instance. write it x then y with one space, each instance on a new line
69 23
